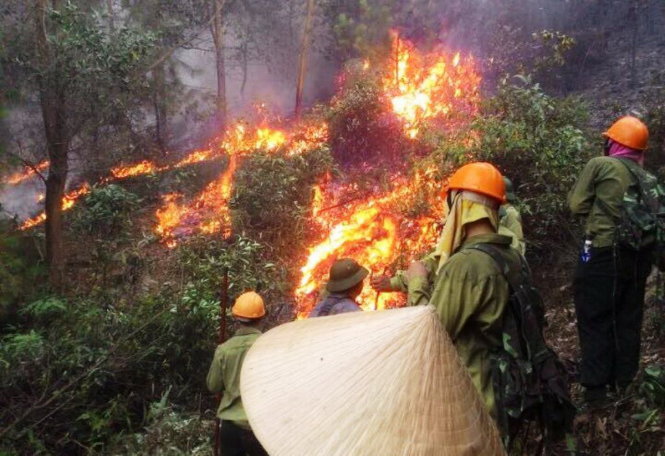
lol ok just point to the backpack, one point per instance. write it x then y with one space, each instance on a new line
642 223
530 382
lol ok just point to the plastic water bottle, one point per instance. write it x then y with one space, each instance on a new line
586 251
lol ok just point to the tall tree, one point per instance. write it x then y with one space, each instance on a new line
53 99
302 60
82 78
217 31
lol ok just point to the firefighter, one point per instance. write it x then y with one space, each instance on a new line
467 288
236 436
510 220
346 281
610 278
510 224
464 285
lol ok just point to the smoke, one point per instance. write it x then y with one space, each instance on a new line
23 200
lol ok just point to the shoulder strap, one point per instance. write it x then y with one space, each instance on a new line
522 293
638 174
510 272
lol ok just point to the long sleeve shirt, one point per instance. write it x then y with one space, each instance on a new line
224 375
598 195
510 224
470 295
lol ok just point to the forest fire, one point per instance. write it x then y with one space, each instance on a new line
208 212
117 173
429 87
68 202
144 167
27 173
422 89
375 232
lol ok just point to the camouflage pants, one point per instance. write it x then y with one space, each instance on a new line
609 300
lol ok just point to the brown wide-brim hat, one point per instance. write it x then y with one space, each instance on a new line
364 384
345 273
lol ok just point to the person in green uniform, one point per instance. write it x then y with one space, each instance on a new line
610 279
236 436
510 224
510 220
465 285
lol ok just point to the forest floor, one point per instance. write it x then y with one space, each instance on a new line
627 425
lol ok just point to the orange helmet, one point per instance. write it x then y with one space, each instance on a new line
629 131
249 305
479 177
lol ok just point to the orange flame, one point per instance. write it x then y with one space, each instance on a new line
28 172
169 216
429 86
116 173
374 233
196 157
208 213
144 167
67 203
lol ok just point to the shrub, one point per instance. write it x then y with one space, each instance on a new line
272 197
540 143
21 268
72 372
362 126
655 119
106 211
204 262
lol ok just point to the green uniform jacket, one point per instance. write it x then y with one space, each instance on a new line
470 295
224 375
510 224
598 195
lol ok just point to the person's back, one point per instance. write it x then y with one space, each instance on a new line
333 304
224 374
235 434
468 290
598 195
610 277
470 294
346 279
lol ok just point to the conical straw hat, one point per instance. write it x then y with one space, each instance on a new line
384 383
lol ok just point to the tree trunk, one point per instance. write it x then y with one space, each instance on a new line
53 107
245 62
217 29
302 63
55 189
109 11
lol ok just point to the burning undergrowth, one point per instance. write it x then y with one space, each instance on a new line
279 185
